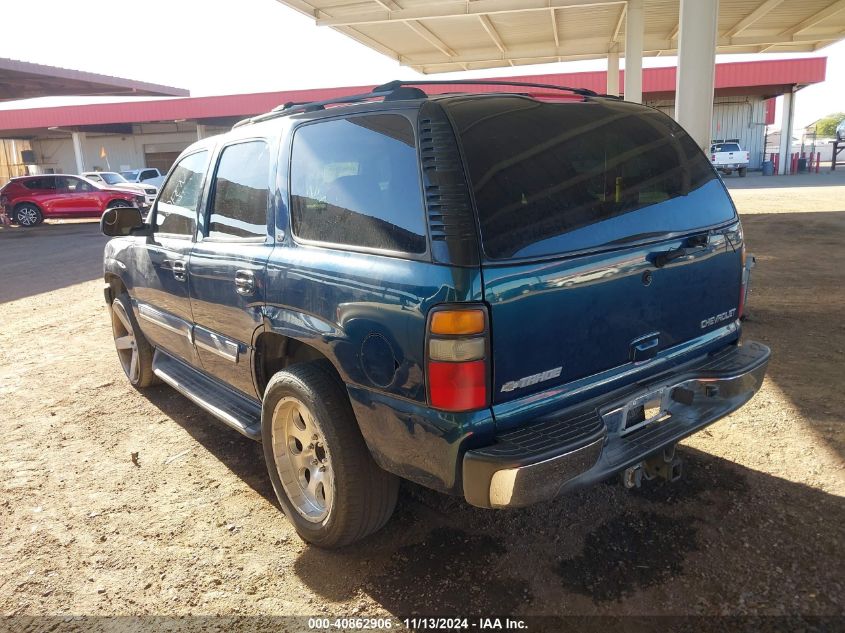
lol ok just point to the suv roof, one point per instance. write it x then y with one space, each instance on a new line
403 91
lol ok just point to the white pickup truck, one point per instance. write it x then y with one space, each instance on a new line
728 157
147 176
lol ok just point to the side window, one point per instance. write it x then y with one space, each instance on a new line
241 192
355 181
74 185
34 183
176 209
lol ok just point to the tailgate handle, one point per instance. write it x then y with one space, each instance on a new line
645 347
661 259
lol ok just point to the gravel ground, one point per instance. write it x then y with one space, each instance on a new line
191 527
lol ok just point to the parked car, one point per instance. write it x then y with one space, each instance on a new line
147 175
28 200
114 180
840 131
378 290
728 157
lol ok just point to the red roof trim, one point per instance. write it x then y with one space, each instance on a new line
657 82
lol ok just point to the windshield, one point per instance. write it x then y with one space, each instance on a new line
131 175
112 178
553 178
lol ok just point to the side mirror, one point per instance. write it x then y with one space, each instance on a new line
121 222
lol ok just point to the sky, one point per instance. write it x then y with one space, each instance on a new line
226 47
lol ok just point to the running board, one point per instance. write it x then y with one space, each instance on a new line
227 405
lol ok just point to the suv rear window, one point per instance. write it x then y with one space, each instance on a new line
355 182
554 178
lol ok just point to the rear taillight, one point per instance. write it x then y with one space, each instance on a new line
713 158
457 352
743 286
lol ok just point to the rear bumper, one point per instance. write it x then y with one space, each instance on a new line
588 444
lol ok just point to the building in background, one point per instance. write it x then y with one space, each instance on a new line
127 135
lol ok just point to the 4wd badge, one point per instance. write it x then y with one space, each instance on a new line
532 380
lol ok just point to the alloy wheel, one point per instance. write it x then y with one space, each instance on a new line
302 459
27 216
125 342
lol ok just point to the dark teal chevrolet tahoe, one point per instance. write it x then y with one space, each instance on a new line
496 295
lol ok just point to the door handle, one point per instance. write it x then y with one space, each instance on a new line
180 270
245 282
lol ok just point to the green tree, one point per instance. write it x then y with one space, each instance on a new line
826 126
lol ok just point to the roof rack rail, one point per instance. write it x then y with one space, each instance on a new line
393 85
398 90
294 107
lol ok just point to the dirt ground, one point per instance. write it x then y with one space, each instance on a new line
756 527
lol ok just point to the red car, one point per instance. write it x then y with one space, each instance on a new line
29 199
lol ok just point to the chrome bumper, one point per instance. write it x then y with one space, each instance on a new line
536 463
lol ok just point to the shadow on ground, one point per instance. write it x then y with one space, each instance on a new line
604 551
48 257
243 456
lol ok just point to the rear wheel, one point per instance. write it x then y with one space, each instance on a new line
323 474
28 214
742 172
133 350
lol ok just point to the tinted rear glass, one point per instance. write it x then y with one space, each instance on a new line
553 178
725 147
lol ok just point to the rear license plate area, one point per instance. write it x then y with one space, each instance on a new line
645 410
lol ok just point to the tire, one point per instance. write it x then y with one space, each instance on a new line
351 496
114 204
742 172
27 214
133 350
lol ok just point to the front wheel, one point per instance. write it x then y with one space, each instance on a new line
322 472
28 215
115 204
133 350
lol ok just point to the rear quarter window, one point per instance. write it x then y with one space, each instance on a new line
554 178
355 182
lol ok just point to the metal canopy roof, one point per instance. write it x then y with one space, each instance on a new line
23 80
449 35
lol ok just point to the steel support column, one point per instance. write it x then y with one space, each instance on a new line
634 30
78 150
787 119
613 73
697 68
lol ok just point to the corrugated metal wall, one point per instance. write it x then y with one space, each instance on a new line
734 117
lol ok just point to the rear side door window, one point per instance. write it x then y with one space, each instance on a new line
176 209
240 192
355 182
